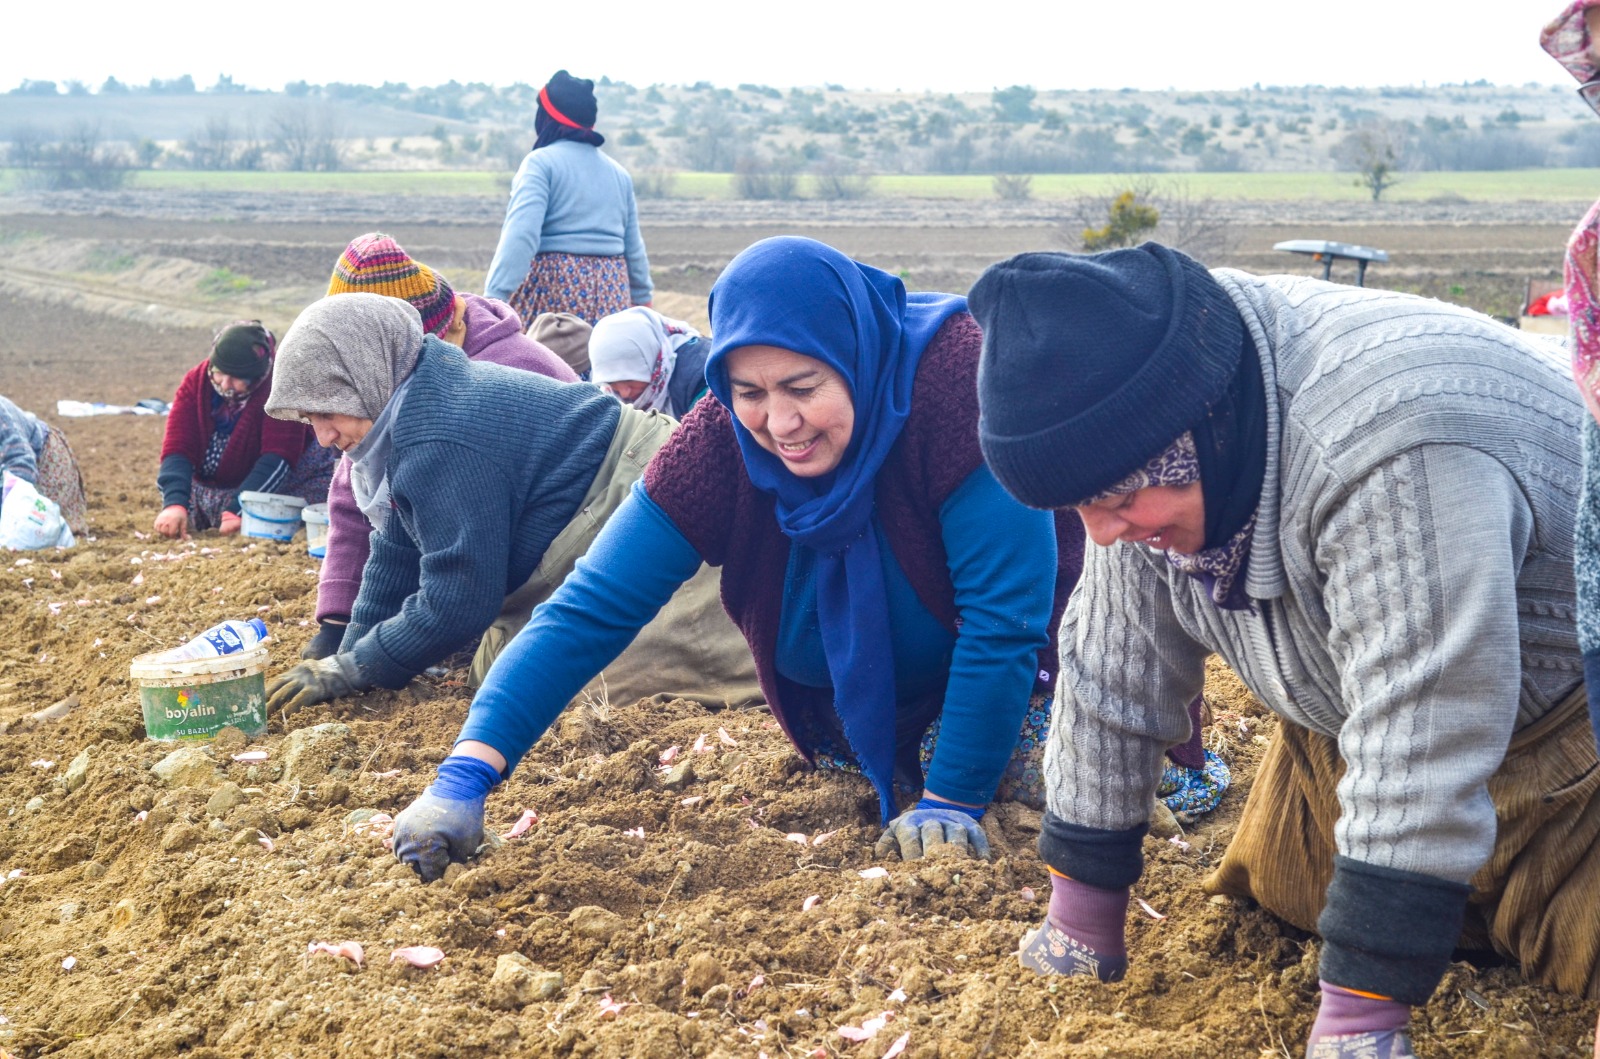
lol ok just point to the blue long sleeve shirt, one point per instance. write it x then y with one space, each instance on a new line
996 548
569 198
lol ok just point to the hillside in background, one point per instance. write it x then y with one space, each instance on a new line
831 133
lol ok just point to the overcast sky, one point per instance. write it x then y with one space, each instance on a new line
899 44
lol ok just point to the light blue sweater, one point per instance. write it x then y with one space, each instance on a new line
569 198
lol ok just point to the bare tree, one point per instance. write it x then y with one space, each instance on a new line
763 178
654 183
838 178
307 139
82 159
26 147
211 145
1199 226
1013 187
1376 150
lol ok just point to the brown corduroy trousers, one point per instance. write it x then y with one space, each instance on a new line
1534 901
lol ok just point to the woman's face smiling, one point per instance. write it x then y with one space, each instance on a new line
1165 517
795 406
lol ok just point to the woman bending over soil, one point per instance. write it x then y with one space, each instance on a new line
220 441
1363 502
483 484
899 606
649 360
38 453
482 328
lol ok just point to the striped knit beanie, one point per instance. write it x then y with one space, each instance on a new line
376 264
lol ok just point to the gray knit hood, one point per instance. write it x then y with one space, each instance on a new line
345 355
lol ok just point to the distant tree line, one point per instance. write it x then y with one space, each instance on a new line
828 142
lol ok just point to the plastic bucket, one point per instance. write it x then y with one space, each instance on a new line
270 515
315 517
196 698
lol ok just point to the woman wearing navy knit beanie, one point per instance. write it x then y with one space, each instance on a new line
570 242
483 485
1363 502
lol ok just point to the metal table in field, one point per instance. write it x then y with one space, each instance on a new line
1328 252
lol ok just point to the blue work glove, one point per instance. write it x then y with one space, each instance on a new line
445 823
930 824
1352 1025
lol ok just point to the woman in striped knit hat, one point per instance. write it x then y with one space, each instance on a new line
571 241
484 329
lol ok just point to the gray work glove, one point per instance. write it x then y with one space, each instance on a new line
318 681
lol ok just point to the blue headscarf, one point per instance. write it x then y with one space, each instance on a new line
801 295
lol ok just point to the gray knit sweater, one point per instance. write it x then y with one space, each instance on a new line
1411 579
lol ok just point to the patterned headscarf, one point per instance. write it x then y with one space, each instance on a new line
1566 38
1218 568
638 345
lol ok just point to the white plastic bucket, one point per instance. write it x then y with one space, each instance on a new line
194 699
270 515
315 517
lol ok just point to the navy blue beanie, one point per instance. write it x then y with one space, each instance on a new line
1094 363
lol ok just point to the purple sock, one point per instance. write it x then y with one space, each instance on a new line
1097 918
1083 933
1344 1013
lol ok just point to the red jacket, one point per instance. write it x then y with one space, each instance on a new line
189 429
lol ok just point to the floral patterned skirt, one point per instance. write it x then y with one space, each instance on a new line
1023 779
1188 792
62 481
584 285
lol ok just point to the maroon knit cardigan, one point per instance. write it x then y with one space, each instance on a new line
190 425
698 478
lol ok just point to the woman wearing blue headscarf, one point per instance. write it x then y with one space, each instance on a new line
899 604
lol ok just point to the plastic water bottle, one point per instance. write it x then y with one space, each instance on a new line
230 637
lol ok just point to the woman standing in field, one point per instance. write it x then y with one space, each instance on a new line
1363 502
482 328
220 442
898 604
570 242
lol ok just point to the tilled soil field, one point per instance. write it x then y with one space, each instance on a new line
718 908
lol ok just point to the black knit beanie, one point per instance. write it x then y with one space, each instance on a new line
573 97
1094 363
243 350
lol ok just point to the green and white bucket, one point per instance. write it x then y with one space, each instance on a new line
194 699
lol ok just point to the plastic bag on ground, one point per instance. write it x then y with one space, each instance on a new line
28 520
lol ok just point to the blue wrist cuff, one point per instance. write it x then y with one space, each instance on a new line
974 811
464 778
